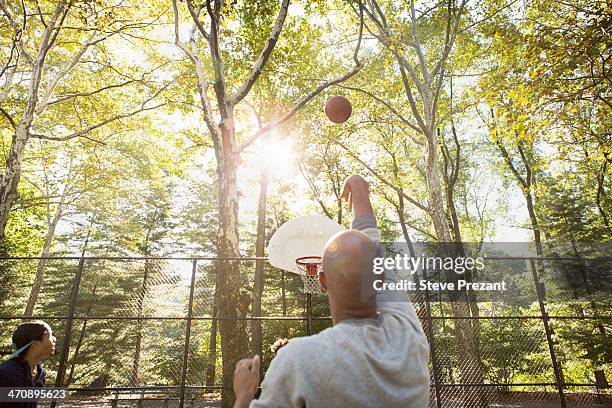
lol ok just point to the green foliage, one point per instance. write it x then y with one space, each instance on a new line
532 77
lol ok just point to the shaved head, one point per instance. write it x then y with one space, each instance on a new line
347 274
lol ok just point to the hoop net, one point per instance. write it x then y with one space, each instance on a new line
310 266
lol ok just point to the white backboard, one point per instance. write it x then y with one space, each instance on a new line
302 236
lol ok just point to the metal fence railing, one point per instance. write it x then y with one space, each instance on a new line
145 329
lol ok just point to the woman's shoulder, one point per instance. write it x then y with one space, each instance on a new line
12 373
11 365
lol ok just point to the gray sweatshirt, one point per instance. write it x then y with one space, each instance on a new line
379 362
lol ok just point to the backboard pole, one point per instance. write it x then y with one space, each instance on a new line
308 314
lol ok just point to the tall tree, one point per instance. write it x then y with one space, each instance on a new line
400 37
56 200
47 66
422 63
227 149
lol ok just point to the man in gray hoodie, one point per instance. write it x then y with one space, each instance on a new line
375 355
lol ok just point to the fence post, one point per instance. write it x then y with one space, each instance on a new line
308 314
432 350
187 333
556 369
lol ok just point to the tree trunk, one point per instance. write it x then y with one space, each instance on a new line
140 304
434 190
10 178
534 223
418 297
89 306
80 339
12 174
454 224
211 366
402 220
283 294
77 349
42 263
233 331
260 243
429 87
467 343
601 193
451 175
141 298
337 186
600 375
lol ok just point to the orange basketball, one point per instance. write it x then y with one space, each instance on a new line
338 109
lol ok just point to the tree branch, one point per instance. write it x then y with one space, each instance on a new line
600 191
63 98
40 14
83 133
358 66
528 175
8 117
448 45
455 175
296 108
55 29
195 15
73 62
513 169
18 31
10 58
488 17
315 191
202 82
64 138
384 39
380 13
377 175
391 109
263 56
217 61
417 44
408 91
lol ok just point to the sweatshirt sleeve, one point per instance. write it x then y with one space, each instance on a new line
367 224
387 301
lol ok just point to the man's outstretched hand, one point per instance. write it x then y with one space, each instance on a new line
357 192
246 380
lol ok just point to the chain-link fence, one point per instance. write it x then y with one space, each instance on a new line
143 331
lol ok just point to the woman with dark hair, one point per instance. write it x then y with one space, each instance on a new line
33 342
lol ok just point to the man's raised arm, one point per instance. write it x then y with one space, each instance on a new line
357 192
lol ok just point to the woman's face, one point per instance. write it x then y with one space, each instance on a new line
46 346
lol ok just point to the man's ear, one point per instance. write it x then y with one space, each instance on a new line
323 281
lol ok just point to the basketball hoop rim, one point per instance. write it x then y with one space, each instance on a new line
303 260
310 265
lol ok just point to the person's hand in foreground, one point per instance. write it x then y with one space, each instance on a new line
246 380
